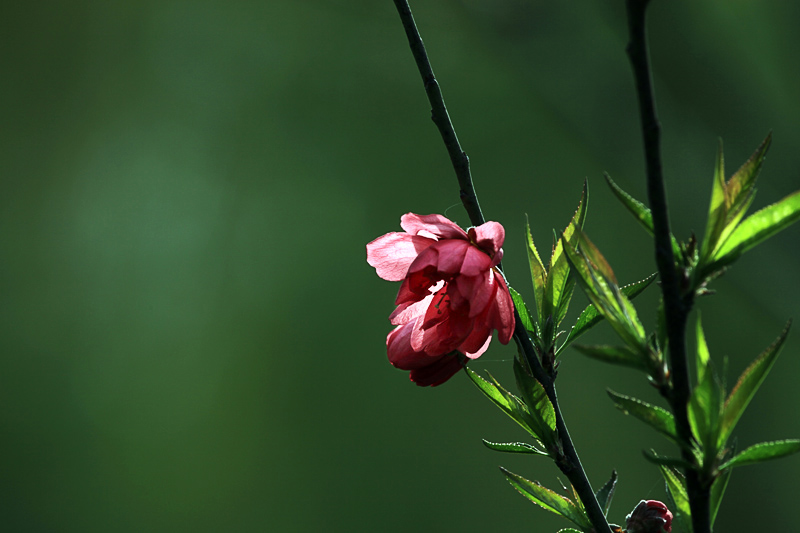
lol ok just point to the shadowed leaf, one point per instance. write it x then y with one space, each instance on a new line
658 418
606 493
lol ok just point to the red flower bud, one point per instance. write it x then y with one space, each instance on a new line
649 516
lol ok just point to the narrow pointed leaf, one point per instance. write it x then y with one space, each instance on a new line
658 418
704 412
507 402
597 281
763 451
738 190
606 493
522 309
703 354
590 317
538 404
538 276
679 498
558 279
616 355
717 492
548 499
640 211
674 462
758 227
748 384
514 447
716 210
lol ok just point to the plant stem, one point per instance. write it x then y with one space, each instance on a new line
440 116
568 462
677 305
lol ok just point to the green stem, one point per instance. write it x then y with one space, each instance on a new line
568 462
677 305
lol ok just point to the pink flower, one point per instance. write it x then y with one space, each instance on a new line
649 516
452 296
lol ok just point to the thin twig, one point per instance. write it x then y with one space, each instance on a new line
677 305
569 462
440 116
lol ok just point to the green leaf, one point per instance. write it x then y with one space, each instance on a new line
538 404
558 288
658 418
679 498
640 211
590 317
606 493
538 275
717 492
616 355
716 210
568 530
705 406
598 282
748 384
763 451
739 189
514 447
507 402
666 461
703 354
548 499
522 309
758 227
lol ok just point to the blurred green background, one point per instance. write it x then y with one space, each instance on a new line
190 337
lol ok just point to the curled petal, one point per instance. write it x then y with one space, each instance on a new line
437 225
477 343
393 253
504 306
398 347
451 256
488 237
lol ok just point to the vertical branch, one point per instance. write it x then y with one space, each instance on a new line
676 305
568 462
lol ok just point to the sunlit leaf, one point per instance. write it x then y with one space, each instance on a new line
507 402
590 317
522 309
557 289
658 418
703 354
538 275
598 282
514 447
538 404
748 384
679 498
758 227
548 499
716 210
763 451
606 493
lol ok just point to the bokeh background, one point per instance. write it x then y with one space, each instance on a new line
190 337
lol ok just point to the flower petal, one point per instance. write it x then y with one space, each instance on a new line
475 262
467 346
504 308
400 352
438 225
488 237
450 257
437 373
393 253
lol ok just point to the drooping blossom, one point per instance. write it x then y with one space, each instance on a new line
649 516
451 298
